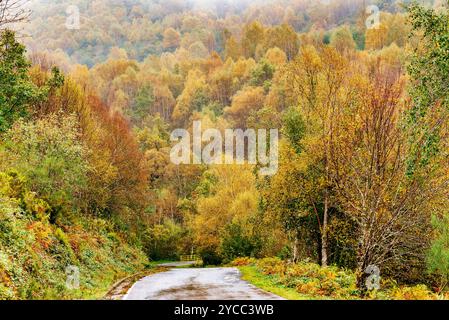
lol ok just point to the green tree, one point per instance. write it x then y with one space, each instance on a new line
294 128
342 40
237 244
262 75
438 258
143 104
427 120
48 152
429 71
253 35
17 92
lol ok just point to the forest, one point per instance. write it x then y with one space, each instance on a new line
90 92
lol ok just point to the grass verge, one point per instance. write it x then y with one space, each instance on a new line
309 281
267 283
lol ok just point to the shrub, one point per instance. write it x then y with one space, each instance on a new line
163 241
420 292
36 207
48 152
438 255
271 265
285 253
311 279
236 244
210 258
244 261
317 282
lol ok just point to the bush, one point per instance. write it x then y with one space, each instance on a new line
236 244
311 279
49 154
35 253
438 255
317 282
164 241
420 292
210 258
285 253
271 265
242 262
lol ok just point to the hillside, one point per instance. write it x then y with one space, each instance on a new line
307 134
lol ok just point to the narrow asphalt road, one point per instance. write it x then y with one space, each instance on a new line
197 284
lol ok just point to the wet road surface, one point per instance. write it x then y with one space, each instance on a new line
197 284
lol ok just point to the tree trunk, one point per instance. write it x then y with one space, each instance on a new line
361 278
361 262
295 249
324 261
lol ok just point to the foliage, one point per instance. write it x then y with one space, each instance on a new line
438 257
210 258
262 74
56 172
85 152
17 92
236 244
294 128
48 178
164 241
251 274
143 104
314 282
429 70
235 229
34 253
248 100
242 262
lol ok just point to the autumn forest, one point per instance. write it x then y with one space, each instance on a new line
91 92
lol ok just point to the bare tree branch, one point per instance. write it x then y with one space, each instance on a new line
13 11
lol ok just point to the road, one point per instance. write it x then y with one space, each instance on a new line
197 284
